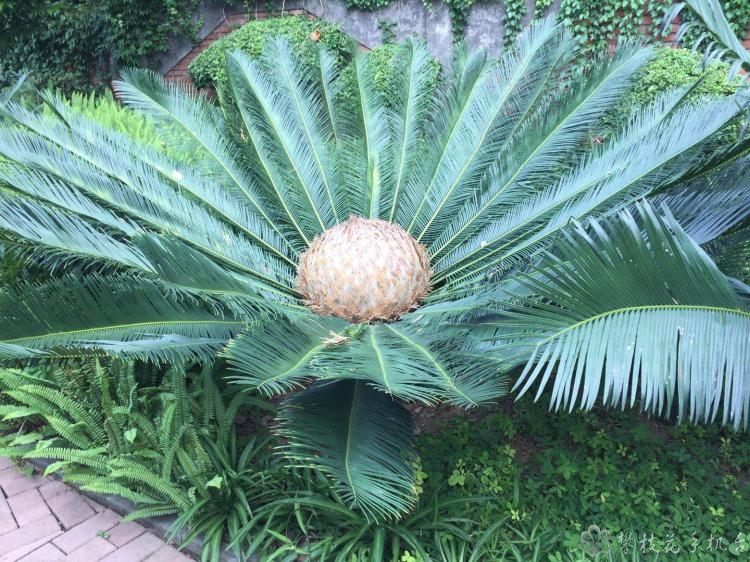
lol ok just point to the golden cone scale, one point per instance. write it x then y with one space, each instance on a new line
364 270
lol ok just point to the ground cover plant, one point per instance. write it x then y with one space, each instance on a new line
491 233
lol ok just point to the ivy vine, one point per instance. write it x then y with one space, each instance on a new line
79 44
596 23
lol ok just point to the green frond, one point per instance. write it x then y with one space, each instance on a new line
409 121
654 149
184 268
359 436
475 129
627 314
97 163
412 364
312 118
276 357
126 316
218 157
374 121
56 239
287 160
712 206
552 134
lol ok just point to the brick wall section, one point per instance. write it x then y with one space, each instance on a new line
179 73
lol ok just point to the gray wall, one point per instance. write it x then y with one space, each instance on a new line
411 17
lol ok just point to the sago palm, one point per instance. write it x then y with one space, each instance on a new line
361 257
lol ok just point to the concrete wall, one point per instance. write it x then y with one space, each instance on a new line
411 17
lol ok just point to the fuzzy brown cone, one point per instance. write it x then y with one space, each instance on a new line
364 270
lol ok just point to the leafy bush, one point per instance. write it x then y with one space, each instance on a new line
210 69
79 45
617 470
675 68
163 441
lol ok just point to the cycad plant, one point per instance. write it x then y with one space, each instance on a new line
363 256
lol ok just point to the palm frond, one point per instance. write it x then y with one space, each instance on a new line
654 149
626 314
409 120
275 357
713 18
374 120
708 208
72 317
479 124
219 158
544 142
415 364
312 116
91 160
361 438
284 154
59 238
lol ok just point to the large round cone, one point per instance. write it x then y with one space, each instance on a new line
364 270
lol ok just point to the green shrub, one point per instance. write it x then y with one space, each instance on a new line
617 470
109 113
675 68
209 68
386 69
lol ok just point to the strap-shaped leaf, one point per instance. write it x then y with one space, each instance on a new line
625 314
359 436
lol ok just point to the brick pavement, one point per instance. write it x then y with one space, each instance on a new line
44 520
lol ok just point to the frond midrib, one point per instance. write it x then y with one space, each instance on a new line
18 341
644 308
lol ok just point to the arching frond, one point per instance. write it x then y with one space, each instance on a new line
92 161
473 131
59 238
625 315
285 156
219 158
708 208
374 121
654 149
275 357
552 135
360 437
409 121
73 317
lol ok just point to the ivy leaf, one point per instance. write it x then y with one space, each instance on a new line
130 435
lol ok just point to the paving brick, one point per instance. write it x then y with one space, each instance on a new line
47 553
52 488
13 543
7 521
94 550
9 474
22 484
97 507
28 506
70 508
86 531
137 550
168 554
5 462
124 533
